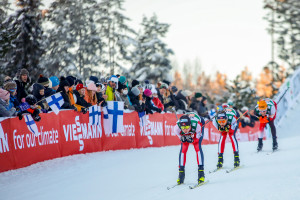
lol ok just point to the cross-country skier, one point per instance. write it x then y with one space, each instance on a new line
266 111
225 122
190 129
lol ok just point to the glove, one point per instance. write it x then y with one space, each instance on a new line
36 118
225 128
84 110
183 139
20 115
159 110
189 139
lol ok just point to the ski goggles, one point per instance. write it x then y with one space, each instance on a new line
185 127
221 120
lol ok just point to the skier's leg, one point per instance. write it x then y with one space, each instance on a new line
182 159
200 159
221 145
274 136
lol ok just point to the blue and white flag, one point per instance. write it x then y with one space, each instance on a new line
55 102
142 116
31 125
113 117
94 115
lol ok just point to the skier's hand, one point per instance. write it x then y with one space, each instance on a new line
183 139
189 139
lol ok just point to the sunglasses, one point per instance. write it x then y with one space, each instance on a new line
222 121
185 127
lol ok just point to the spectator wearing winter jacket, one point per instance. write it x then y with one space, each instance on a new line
72 100
4 104
111 88
90 94
203 110
79 96
149 105
11 87
156 100
39 93
172 101
44 81
54 82
181 98
22 80
134 100
64 89
196 101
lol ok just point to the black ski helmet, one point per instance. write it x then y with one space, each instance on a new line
222 115
185 120
30 99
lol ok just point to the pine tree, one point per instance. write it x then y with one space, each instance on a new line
151 55
73 38
22 38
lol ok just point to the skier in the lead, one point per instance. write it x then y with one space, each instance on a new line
266 111
226 123
190 129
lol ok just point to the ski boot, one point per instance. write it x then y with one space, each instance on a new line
260 144
236 159
201 177
220 161
275 144
181 176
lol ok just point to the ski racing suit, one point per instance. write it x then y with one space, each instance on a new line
197 132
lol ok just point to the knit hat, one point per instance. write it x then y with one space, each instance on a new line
147 92
122 79
134 83
230 103
94 78
92 86
135 91
163 85
198 94
166 82
71 80
78 81
43 80
4 94
153 90
10 85
114 78
79 86
174 89
63 82
186 93
54 80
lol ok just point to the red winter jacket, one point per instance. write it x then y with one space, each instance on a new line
158 103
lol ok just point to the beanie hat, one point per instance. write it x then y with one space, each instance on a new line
71 80
79 86
166 82
122 79
147 92
153 90
43 80
78 81
114 78
134 83
63 82
135 91
230 103
174 89
163 85
54 80
92 86
4 94
186 93
198 94
10 85
94 78
7 78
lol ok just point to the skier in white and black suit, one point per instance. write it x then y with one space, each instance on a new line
190 129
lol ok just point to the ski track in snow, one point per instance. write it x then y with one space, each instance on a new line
146 173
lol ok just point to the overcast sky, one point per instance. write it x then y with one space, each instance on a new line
225 35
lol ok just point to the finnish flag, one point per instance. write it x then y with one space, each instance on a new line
55 102
142 116
95 115
113 117
31 125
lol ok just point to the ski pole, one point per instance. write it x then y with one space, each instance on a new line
283 95
175 113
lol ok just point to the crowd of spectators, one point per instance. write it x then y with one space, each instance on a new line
19 95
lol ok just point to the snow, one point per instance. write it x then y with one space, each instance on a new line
146 173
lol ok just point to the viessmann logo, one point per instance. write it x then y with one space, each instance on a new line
148 128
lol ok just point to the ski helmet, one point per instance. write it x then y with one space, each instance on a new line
30 99
222 116
262 105
185 121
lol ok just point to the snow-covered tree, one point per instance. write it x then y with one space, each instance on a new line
73 38
151 55
21 34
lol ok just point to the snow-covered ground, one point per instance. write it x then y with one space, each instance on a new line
145 173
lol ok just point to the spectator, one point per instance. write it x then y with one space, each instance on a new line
149 106
39 93
134 83
90 94
203 111
134 100
156 100
101 97
181 97
54 83
246 119
4 103
64 86
94 79
172 101
22 79
126 99
111 87
79 96
44 81
11 87
196 100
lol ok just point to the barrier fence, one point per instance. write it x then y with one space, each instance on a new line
69 133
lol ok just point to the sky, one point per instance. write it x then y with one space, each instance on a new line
224 35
